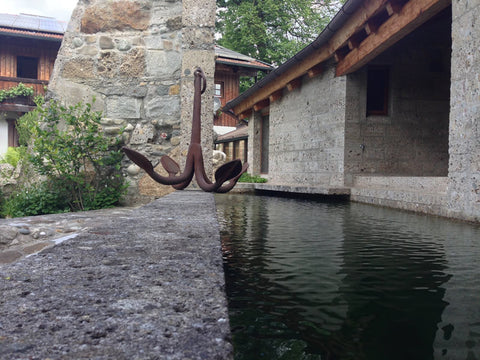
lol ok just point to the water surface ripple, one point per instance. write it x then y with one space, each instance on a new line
315 280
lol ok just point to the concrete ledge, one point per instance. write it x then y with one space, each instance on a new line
419 194
145 285
425 184
288 188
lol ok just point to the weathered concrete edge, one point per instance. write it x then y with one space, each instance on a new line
288 188
150 285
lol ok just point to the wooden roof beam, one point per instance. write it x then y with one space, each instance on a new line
316 70
356 39
246 114
395 6
261 105
341 53
277 95
354 24
294 84
413 14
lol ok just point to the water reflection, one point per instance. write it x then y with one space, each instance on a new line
312 280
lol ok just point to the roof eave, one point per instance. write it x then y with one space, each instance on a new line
252 66
38 36
336 23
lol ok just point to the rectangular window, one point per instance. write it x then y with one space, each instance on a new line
377 90
218 92
27 67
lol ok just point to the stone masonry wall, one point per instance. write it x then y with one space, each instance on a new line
307 133
137 58
464 166
412 140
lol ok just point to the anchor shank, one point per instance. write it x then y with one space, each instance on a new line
197 107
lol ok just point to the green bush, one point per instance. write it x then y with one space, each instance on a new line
78 161
19 90
247 178
35 200
2 200
12 156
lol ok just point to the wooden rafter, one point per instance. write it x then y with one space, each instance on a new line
261 105
294 84
375 26
395 6
277 95
246 114
316 70
413 14
353 25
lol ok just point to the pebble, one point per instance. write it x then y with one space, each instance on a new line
23 236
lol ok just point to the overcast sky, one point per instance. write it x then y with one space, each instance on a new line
59 9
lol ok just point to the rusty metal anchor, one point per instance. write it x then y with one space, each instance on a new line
230 171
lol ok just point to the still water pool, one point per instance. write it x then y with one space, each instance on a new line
315 280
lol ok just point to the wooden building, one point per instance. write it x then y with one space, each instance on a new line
28 48
230 66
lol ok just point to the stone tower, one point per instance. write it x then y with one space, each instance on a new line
137 58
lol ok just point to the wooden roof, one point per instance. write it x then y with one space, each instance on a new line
360 31
230 57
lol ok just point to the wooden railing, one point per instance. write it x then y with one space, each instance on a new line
9 82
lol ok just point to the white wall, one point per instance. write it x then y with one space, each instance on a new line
3 136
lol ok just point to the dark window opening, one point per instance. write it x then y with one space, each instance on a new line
377 91
265 130
27 67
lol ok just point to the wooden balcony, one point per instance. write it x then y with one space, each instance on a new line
21 104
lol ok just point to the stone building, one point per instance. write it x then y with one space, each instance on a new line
382 107
137 59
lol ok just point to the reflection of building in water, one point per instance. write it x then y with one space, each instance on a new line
350 281
458 334
393 285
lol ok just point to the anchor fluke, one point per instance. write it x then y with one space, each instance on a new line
231 171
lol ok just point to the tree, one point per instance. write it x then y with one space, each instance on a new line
272 30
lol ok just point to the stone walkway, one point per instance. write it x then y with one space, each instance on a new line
144 283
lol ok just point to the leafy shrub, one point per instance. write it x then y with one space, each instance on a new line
2 200
12 156
35 200
19 90
247 178
69 148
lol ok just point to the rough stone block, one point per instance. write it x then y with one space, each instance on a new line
123 107
162 64
133 64
142 134
199 13
116 16
163 106
79 68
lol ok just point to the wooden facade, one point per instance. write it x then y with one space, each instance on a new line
230 66
14 49
27 56
229 85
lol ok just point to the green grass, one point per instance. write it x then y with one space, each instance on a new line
247 178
